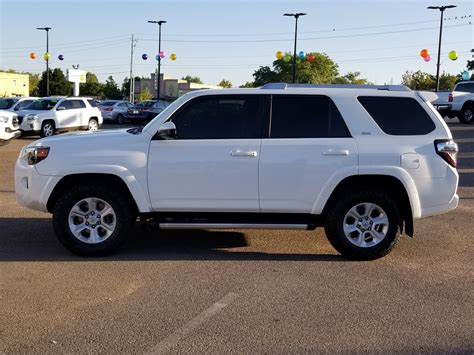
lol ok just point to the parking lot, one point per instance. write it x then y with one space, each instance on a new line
249 291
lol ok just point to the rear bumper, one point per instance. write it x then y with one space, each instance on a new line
433 211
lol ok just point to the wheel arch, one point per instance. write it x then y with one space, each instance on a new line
387 183
468 103
73 179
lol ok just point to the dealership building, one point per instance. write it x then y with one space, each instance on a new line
13 84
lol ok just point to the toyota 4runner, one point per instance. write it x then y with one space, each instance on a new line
361 161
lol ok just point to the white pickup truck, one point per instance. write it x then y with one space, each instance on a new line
458 103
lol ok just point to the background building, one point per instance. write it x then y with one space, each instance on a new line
13 84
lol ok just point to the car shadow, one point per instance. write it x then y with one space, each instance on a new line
33 239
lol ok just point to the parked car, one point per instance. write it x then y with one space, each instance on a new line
361 161
115 110
458 103
9 127
50 115
15 103
145 111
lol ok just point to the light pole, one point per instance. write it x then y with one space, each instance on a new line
47 57
296 16
441 9
159 58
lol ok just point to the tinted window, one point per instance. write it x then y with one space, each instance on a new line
105 103
398 116
92 103
43 104
465 87
122 105
220 117
5 104
21 105
66 104
306 116
78 104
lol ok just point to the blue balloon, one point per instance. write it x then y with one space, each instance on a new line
157 57
60 57
144 56
466 75
302 55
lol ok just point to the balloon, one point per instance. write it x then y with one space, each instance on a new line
453 55
279 54
157 57
33 55
310 58
287 58
302 55
60 57
424 53
47 56
162 55
466 75
173 56
144 56
427 59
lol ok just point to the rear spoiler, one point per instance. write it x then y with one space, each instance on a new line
427 96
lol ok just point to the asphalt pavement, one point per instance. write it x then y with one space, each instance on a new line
241 292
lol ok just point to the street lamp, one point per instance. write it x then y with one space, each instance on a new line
296 16
441 9
159 23
47 57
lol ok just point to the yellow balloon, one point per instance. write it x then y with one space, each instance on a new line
279 54
453 55
173 56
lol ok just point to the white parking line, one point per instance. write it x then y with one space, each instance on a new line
166 344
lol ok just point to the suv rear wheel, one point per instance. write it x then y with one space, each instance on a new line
93 125
467 114
363 225
92 220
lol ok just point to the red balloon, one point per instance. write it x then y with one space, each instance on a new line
310 58
424 53
33 55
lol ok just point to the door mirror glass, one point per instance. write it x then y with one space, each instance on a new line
167 130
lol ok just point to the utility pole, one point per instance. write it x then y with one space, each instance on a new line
46 58
132 80
441 9
159 23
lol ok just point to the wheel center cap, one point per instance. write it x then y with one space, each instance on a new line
93 219
365 224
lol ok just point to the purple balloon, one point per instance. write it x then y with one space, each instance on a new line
60 57
144 56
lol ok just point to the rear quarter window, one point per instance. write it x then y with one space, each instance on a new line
398 116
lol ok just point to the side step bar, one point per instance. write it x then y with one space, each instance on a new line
232 226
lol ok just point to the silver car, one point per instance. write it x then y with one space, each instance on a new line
114 110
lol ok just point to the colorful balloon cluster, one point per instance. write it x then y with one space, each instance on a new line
46 56
160 56
425 54
301 55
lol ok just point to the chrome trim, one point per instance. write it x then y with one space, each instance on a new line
242 153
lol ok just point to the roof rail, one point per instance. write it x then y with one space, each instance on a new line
283 86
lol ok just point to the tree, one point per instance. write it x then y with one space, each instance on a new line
248 84
111 89
58 84
470 65
321 71
351 78
145 94
423 81
192 79
91 87
225 83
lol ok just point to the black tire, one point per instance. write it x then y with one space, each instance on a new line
93 122
335 219
124 218
467 114
47 129
120 119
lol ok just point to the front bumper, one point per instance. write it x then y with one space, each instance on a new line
10 134
32 190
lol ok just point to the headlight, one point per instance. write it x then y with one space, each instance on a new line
31 117
33 155
3 119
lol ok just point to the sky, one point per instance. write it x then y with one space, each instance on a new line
230 39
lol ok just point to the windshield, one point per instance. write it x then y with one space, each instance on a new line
5 104
465 87
108 103
43 104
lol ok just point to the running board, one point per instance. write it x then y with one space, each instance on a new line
233 226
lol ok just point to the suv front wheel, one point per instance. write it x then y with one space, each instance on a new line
363 225
92 220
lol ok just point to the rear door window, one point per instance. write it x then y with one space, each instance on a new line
398 116
306 116
78 104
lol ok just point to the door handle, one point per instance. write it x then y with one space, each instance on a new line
336 152
243 153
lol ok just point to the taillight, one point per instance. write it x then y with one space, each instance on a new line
448 150
450 97
33 155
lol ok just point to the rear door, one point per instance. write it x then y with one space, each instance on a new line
307 145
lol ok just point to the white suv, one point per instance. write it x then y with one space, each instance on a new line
363 162
49 115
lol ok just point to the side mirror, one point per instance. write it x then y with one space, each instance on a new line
60 108
167 130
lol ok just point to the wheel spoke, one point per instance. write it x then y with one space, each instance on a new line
382 219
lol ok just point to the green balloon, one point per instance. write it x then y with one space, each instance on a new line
453 55
287 58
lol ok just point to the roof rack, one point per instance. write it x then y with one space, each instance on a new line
284 86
